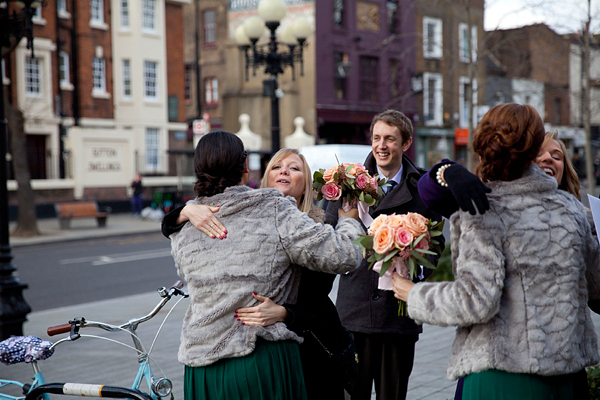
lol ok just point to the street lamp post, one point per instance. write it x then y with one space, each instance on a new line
14 25
270 13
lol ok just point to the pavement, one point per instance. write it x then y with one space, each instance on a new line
96 361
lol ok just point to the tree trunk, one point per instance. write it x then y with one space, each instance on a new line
27 220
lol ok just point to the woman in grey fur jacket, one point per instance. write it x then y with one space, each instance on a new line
522 274
224 358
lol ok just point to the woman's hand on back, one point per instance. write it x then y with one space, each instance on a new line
203 218
264 314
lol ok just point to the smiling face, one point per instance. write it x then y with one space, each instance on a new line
552 160
388 148
287 175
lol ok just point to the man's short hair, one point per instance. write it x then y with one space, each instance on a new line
397 119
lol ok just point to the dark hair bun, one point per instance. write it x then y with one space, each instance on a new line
219 163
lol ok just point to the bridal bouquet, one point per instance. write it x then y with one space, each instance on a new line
350 182
400 243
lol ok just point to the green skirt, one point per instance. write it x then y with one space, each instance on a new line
272 371
502 385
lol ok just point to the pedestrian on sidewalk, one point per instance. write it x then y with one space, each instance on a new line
522 272
224 357
137 199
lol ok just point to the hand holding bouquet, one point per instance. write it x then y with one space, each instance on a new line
350 182
400 243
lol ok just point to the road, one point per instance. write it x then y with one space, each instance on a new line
68 273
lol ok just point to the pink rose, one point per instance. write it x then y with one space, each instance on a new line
362 181
423 243
383 241
403 238
331 191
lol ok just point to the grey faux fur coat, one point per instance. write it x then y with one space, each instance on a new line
266 235
520 293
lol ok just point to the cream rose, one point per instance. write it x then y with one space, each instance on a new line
415 223
383 241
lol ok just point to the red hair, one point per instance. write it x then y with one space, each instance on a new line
508 139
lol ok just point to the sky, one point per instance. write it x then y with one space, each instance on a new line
564 16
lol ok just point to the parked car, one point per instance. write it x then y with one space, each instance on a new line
326 155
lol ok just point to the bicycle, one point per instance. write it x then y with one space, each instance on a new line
158 388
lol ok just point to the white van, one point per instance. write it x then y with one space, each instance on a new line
327 155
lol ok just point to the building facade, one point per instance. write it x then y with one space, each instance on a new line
102 97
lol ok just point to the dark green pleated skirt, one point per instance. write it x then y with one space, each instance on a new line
273 371
502 385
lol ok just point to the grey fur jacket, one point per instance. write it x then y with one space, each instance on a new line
266 235
522 273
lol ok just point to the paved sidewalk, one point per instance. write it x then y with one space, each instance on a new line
98 361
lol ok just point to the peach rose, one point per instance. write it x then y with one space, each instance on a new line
416 224
377 223
331 191
403 238
328 175
396 221
383 241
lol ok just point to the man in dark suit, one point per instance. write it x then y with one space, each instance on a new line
385 342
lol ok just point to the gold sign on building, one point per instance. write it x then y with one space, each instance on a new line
368 16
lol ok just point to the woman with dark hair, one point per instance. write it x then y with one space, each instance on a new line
224 357
522 274
313 316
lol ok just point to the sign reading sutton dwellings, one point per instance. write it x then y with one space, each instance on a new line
243 5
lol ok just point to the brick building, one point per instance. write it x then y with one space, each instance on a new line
102 98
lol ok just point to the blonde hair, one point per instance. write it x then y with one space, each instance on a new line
570 180
306 200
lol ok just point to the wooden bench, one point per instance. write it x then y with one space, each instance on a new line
79 209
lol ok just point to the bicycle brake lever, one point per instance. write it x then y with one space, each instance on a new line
75 325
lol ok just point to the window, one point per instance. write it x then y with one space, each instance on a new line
395 74
432 98
126 71
340 74
463 43
124 14
97 11
33 76
369 68
99 75
210 26
149 15
187 82
150 80
62 6
557 111
432 37
37 15
338 13
4 78
152 146
63 68
392 10
211 91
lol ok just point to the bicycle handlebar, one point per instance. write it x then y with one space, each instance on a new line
77 389
131 325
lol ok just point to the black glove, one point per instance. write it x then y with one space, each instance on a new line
467 189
